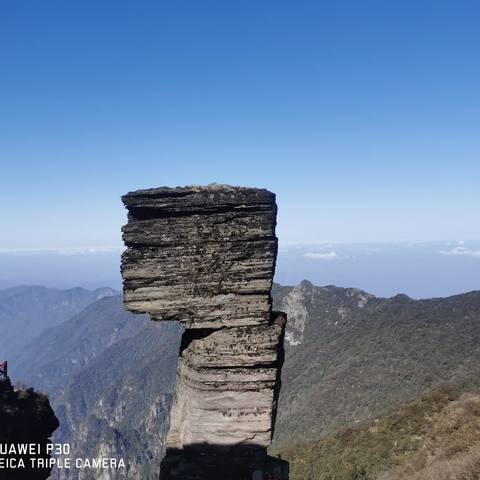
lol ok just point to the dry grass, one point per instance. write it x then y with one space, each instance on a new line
436 437
465 466
451 448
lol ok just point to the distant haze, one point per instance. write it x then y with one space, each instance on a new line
421 270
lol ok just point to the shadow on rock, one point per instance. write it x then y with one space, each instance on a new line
217 462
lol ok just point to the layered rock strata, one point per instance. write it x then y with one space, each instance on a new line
205 256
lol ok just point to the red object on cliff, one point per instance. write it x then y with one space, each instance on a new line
4 368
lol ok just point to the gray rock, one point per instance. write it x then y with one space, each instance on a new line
205 256
202 255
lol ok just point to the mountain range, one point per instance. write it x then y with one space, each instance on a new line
26 311
350 355
109 375
350 358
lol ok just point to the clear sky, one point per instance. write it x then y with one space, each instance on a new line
363 116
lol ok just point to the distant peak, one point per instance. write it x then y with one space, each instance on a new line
105 292
402 297
306 284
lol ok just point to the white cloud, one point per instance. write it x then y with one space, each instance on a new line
461 252
87 250
323 256
62 250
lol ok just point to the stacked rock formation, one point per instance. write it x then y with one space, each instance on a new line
205 256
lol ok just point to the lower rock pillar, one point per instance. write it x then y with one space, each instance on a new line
224 409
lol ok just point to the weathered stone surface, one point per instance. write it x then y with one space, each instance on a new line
202 255
205 256
226 387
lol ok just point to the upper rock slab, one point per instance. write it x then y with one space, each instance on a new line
203 255
166 201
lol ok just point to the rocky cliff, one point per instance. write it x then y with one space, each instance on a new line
25 418
205 256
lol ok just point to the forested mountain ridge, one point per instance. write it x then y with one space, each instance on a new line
433 437
26 311
350 358
110 375
350 355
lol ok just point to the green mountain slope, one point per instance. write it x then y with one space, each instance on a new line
436 436
109 375
350 356
51 359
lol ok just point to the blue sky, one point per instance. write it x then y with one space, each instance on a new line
363 117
